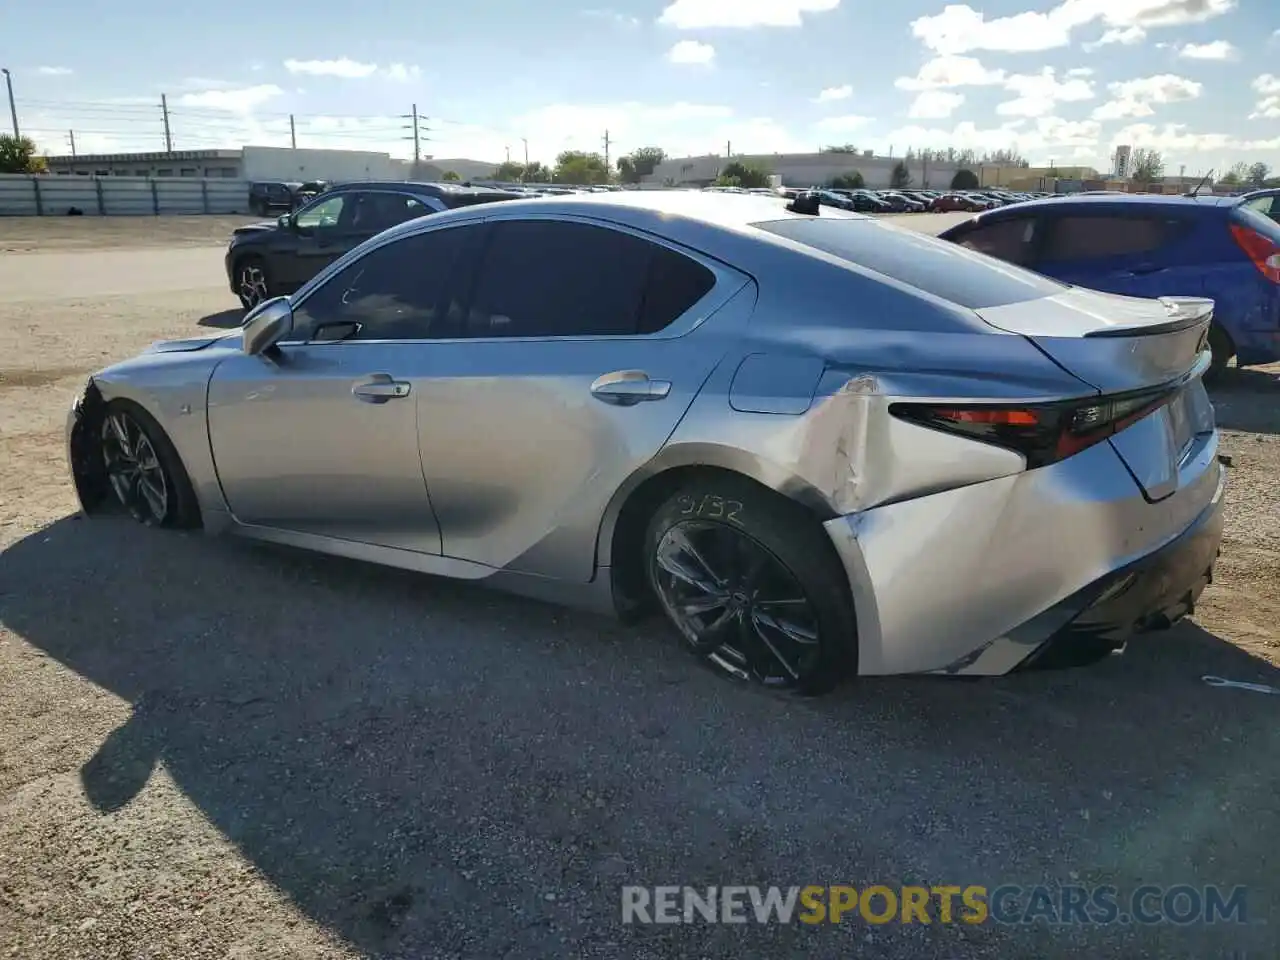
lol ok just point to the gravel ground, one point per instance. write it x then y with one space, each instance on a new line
215 749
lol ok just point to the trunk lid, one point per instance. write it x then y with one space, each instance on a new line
1121 344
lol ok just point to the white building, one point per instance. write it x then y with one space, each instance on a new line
815 169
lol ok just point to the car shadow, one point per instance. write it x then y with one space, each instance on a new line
223 319
1247 399
419 763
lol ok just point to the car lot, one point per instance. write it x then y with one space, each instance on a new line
209 748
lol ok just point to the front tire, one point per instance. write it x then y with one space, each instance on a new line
144 470
253 283
752 585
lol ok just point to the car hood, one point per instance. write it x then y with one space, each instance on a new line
253 228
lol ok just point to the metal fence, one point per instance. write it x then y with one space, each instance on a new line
22 195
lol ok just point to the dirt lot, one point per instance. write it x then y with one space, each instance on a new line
214 749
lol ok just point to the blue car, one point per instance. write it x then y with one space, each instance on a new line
1152 246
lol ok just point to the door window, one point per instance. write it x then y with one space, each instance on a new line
375 212
1091 238
322 215
1009 240
400 291
548 278
1267 206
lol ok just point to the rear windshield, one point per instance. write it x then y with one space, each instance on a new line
964 277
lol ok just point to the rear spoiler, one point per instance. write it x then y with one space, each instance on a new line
1184 313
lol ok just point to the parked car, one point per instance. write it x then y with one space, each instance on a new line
864 201
264 260
1265 202
265 196
818 444
952 202
1147 245
900 202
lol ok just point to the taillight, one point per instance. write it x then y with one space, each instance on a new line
1043 433
1262 250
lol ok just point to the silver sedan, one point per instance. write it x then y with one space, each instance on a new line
815 443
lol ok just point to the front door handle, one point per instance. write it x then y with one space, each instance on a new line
625 388
380 388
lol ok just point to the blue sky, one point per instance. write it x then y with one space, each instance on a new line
1063 81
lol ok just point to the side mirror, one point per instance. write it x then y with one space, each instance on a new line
285 222
266 325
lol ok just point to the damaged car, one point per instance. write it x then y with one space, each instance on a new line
817 445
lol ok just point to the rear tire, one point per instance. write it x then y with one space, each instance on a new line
753 586
1223 350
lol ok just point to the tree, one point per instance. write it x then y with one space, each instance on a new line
509 171
450 175
848 181
18 155
745 175
537 172
839 148
723 181
965 180
577 167
1238 173
639 164
901 176
1147 167
1258 174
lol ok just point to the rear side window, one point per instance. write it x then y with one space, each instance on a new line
549 278
947 270
1093 237
1008 239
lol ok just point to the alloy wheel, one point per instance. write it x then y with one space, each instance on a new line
736 603
133 468
252 284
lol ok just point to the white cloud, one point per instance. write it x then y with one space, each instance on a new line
1176 138
843 124
700 14
1046 133
691 51
1268 89
613 16
960 29
54 71
342 67
403 73
244 100
934 105
1135 98
1125 36
831 94
1080 72
1214 50
943 72
1039 93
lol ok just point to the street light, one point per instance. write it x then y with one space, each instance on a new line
13 110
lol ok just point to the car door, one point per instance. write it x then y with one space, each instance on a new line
579 349
1117 251
323 439
316 233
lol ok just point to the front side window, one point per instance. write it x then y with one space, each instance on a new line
322 215
400 291
1009 240
550 278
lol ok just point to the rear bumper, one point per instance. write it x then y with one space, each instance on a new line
1150 594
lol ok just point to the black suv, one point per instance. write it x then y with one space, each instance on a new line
277 257
265 196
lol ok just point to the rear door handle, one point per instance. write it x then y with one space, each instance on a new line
625 388
380 388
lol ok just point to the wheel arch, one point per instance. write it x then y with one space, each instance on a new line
622 528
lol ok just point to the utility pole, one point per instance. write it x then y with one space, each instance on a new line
164 109
13 111
607 169
71 138
524 175
293 134
508 149
416 137
728 149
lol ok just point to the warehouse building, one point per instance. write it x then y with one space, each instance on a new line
265 163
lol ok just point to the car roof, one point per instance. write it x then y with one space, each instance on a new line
432 188
1113 201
